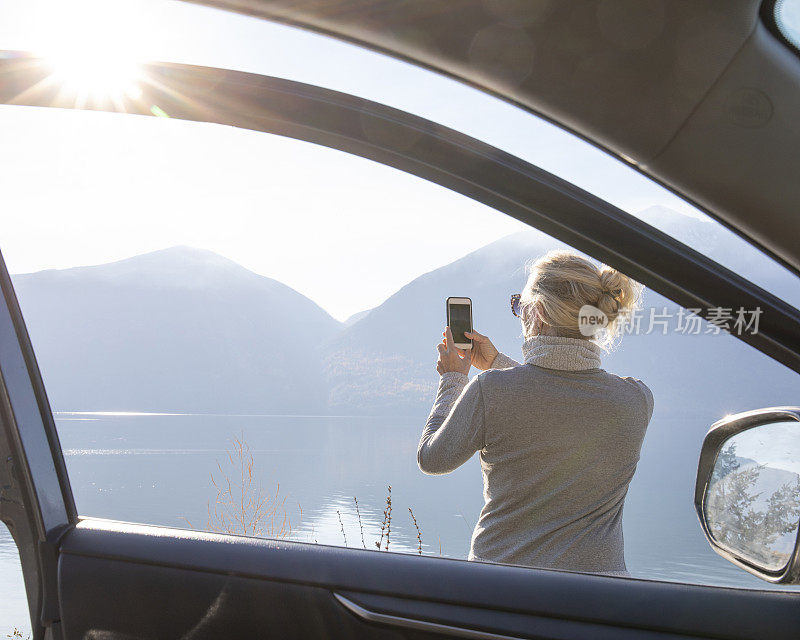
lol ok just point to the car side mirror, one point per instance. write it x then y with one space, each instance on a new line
748 491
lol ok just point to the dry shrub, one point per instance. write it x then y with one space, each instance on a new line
242 506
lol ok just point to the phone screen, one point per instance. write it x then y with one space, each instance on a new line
460 321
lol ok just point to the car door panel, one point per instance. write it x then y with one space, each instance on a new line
143 582
468 622
150 601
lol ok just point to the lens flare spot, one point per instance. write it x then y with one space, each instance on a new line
158 112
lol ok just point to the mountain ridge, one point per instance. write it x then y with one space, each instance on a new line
177 329
185 329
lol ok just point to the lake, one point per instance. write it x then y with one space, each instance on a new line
157 469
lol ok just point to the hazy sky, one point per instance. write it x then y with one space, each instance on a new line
86 188
774 444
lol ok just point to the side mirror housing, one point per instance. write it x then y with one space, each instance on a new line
747 494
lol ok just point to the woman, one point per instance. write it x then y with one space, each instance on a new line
559 437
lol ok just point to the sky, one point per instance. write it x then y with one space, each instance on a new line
788 13
774 444
81 188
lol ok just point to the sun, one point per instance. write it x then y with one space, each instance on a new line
93 48
95 76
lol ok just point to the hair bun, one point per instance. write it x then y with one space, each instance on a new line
561 283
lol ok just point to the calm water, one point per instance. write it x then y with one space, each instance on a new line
158 469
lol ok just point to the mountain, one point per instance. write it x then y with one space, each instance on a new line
356 317
385 362
180 329
187 330
716 242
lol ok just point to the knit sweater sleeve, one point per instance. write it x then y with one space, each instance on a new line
455 428
502 361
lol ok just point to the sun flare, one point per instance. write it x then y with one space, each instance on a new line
94 49
96 76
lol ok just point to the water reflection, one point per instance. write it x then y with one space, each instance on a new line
140 469
157 470
13 603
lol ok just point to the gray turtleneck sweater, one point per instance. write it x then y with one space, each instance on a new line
559 439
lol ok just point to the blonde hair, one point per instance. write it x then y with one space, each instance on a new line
560 283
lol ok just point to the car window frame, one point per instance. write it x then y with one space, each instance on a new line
443 156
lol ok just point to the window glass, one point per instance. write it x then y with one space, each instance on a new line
127 31
787 16
204 300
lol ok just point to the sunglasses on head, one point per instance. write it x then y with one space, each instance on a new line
515 304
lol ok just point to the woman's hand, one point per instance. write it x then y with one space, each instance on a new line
483 351
451 358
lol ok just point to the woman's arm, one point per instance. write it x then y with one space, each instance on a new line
485 355
502 361
455 428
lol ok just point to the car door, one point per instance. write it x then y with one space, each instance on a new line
91 578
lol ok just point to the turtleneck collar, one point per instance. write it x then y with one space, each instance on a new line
566 354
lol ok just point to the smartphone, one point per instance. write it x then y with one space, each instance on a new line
459 319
